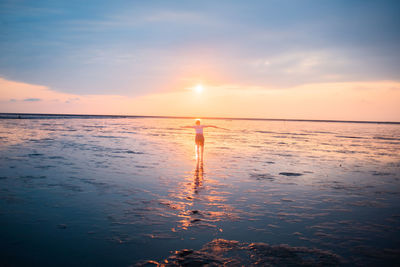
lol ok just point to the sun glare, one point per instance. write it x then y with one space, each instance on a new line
199 88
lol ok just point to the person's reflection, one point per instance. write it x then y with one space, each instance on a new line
198 176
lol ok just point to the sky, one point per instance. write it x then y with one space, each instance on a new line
298 59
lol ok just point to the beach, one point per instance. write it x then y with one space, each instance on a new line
110 191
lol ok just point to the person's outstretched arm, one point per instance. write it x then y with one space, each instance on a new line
186 126
213 126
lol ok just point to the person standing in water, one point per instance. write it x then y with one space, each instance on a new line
199 139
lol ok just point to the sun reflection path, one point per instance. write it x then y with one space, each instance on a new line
198 176
201 206
193 216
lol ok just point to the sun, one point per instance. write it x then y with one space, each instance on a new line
199 88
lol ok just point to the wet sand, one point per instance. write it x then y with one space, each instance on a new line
125 191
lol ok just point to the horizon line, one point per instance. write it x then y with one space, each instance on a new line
18 116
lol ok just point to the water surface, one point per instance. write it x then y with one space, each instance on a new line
118 191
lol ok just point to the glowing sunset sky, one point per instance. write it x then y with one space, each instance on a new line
265 59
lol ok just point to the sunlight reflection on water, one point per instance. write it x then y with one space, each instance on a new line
133 187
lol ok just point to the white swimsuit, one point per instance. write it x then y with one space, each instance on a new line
198 129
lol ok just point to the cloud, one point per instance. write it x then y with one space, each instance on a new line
376 100
32 99
137 48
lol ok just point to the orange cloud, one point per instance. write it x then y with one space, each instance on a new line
338 101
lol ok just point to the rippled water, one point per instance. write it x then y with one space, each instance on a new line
118 191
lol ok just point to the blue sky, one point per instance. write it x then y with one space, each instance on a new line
138 47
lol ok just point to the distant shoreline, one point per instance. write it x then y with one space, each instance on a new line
87 116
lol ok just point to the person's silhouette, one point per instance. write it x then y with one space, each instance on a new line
199 139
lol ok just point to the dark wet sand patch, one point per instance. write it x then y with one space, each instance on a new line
220 252
350 137
262 176
287 200
35 155
133 152
290 174
378 173
56 157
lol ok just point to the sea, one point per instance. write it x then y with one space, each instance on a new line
131 191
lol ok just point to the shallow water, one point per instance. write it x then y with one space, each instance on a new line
118 191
